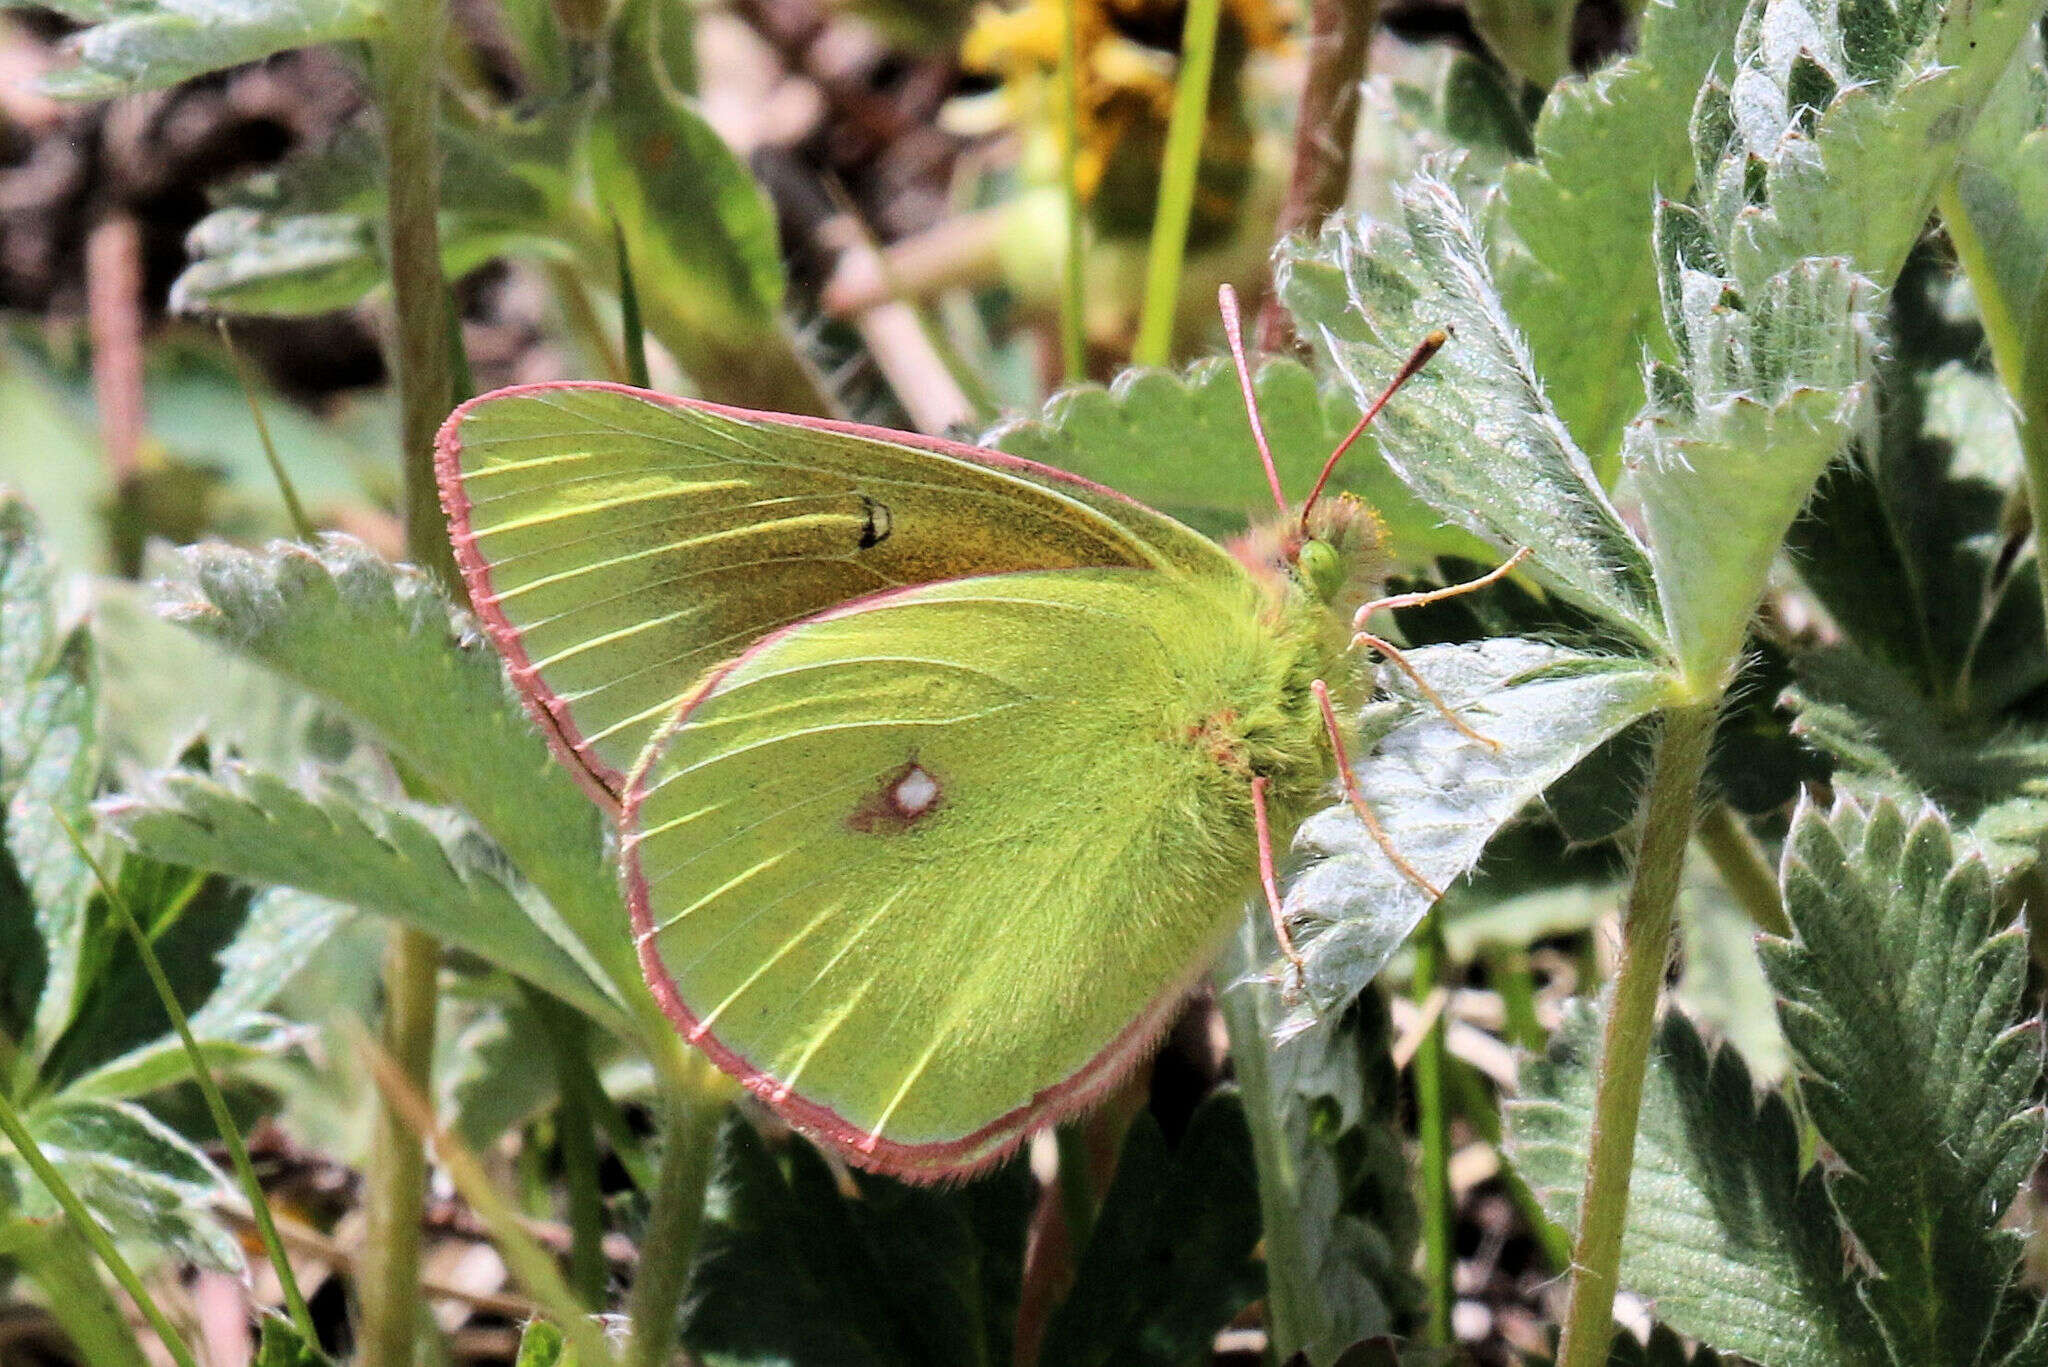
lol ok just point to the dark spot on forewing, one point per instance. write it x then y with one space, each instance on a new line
905 796
877 525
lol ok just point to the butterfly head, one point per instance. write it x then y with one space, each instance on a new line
1332 557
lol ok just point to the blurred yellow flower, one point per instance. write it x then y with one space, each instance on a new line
1129 53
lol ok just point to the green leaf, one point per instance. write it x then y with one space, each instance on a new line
279 1344
304 238
1901 996
1859 179
163 690
282 932
1473 433
151 46
1169 1260
379 643
790 1270
1736 1247
421 866
1339 1217
1999 207
503 1075
1182 444
1907 548
1767 389
1576 275
542 1345
699 231
295 265
1663 1349
1441 796
149 1186
1991 777
49 762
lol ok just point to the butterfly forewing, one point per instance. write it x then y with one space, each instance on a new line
929 871
620 543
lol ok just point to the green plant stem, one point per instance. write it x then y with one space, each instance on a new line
1740 862
1509 974
755 365
1681 758
396 1180
692 1102
632 333
408 65
216 1104
1433 1126
576 1136
1073 333
408 60
2017 330
1182 161
61 1263
1295 1313
580 314
533 1266
302 526
81 1219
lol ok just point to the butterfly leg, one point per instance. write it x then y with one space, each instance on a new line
1269 881
1410 600
1416 600
1357 799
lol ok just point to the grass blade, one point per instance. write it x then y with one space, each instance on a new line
216 1104
1177 181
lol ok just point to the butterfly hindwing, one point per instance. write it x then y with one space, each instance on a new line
620 543
930 870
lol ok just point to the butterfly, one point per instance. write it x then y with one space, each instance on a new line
939 775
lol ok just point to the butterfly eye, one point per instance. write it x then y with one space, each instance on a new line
1321 567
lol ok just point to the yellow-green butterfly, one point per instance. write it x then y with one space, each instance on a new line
939 774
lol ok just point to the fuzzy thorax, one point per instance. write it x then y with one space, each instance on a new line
1336 556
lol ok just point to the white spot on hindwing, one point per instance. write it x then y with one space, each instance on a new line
914 793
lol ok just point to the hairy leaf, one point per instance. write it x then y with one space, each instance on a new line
1734 1245
1765 394
1841 122
1182 444
1577 276
1340 1219
419 866
151 46
1473 433
379 643
303 239
1990 776
282 932
49 763
149 1186
793 1271
1441 796
296 265
1999 209
279 1344
1901 1000
1908 547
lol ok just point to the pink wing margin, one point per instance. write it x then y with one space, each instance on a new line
947 1160
548 709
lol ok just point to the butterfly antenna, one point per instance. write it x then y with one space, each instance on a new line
1417 359
1233 329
